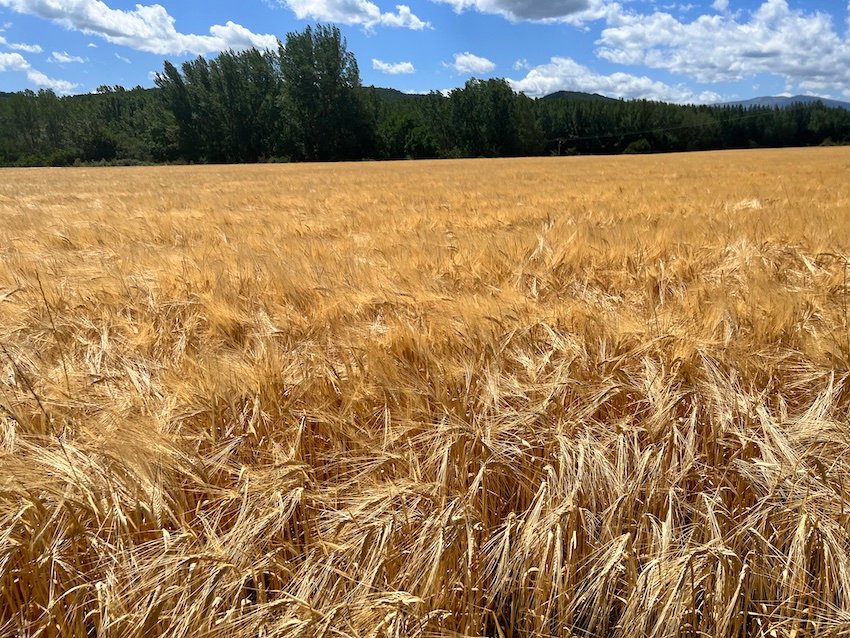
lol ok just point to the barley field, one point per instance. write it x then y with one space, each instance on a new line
580 397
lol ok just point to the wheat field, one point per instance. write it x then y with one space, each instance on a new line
547 397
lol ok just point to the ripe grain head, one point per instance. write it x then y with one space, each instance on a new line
579 396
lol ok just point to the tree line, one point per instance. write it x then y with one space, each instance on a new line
305 102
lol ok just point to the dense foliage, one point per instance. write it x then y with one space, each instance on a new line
305 102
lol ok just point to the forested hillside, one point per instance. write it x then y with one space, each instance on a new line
305 102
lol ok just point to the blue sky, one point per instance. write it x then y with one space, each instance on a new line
694 51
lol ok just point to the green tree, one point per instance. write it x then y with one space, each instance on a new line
175 97
325 117
226 109
491 120
26 124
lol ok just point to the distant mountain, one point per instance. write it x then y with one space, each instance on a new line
391 95
577 96
394 95
784 102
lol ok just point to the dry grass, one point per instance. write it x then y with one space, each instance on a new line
589 397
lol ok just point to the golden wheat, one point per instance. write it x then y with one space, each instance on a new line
508 398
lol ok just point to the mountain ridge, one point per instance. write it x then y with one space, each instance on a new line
578 96
782 101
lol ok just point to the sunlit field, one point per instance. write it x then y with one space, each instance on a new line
503 398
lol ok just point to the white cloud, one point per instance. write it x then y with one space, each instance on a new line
16 46
393 68
63 57
573 11
146 28
123 59
796 45
26 48
466 63
565 74
521 65
404 19
355 12
720 5
13 61
17 62
235 36
91 45
40 79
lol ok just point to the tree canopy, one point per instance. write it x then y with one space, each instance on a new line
305 102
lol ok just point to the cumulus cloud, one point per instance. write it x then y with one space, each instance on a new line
565 74
393 68
147 28
13 61
17 62
404 18
63 57
17 46
575 11
796 45
355 12
720 5
468 63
